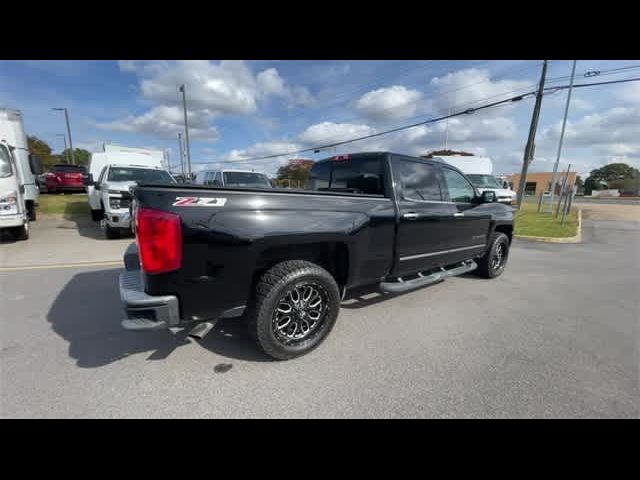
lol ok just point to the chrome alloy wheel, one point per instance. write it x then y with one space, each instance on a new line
499 257
300 312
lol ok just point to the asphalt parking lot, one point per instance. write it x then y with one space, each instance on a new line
557 335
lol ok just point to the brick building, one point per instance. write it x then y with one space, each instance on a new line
538 182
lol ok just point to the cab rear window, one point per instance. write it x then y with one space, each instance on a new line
358 175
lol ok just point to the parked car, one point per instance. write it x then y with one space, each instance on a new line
286 258
113 185
41 181
233 178
65 178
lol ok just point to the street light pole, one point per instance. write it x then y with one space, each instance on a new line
180 149
186 130
66 150
564 124
66 117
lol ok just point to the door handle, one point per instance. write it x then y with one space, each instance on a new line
410 215
459 214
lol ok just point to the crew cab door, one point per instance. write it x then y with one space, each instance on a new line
470 225
425 217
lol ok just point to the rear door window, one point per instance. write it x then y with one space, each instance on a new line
417 180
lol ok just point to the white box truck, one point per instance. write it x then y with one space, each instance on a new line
159 155
480 172
13 210
28 167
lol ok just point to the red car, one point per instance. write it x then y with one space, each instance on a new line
65 178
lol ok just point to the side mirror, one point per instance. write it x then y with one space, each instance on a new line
87 180
35 163
488 196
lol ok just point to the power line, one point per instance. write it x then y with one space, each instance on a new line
433 120
385 132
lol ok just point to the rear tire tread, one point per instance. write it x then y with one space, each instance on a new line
279 274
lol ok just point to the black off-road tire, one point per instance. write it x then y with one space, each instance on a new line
96 215
487 264
271 288
111 233
31 211
21 233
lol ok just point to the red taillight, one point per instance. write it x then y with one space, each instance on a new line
159 237
341 158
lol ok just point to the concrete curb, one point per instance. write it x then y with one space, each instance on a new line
576 239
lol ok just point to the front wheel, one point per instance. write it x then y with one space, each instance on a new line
111 233
295 307
21 233
96 215
492 264
31 211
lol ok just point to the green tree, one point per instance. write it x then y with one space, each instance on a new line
613 175
42 149
446 153
296 172
82 156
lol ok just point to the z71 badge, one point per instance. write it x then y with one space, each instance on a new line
199 202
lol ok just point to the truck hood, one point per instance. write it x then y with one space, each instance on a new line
121 186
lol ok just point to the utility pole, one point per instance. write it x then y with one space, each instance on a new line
529 149
186 129
564 124
66 150
66 117
180 149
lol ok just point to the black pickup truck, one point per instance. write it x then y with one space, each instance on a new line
285 258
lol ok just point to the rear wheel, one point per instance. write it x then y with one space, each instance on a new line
295 306
492 264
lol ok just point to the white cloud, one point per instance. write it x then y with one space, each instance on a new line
263 149
473 85
330 132
389 103
630 93
166 122
270 82
127 65
614 127
212 89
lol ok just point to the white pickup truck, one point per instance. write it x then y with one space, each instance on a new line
112 187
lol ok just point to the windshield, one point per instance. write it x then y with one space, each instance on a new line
246 179
485 181
5 162
141 175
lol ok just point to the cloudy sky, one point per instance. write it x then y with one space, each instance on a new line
244 109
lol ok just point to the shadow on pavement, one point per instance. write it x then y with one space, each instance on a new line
87 314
